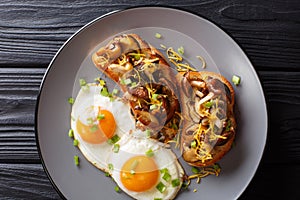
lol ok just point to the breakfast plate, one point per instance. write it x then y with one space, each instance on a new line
177 28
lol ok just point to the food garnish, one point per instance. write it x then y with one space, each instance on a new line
76 160
117 189
71 100
71 133
75 142
161 187
158 35
236 80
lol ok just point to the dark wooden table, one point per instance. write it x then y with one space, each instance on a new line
31 32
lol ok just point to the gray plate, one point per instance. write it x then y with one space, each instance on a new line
179 28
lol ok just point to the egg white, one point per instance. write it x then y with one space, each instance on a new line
131 146
88 98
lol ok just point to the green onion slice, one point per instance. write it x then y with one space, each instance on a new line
236 80
76 160
100 116
195 170
134 165
116 148
158 35
193 144
71 133
175 182
110 166
164 170
75 142
71 100
82 82
104 92
167 177
117 189
181 50
208 104
113 140
161 187
149 153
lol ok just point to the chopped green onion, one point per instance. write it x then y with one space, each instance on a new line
236 80
94 128
137 56
122 82
134 164
71 100
154 96
193 144
167 177
104 92
82 82
110 166
127 81
153 106
117 189
164 170
116 148
132 172
76 160
161 187
181 50
111 98
174 126
102 82
71 133
100 116
89 121
148 133
228 125
208 104
184 185
133 84
195 170
107 174
113 140
157 198
149 153
85 88
216 166
157 35
115 91
75 142
175 182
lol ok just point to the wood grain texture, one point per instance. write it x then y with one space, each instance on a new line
19 181
31 32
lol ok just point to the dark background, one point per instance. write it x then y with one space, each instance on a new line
31 32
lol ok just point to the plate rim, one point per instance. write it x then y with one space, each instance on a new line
116 11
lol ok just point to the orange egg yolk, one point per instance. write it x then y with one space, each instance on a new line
139 174
100 130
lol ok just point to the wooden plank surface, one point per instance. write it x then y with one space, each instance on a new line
31 32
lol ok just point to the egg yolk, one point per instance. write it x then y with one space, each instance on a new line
99 129
139 174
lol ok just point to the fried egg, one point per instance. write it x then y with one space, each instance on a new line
145 169
95 119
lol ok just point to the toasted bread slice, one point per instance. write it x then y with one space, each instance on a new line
208 125
146 79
